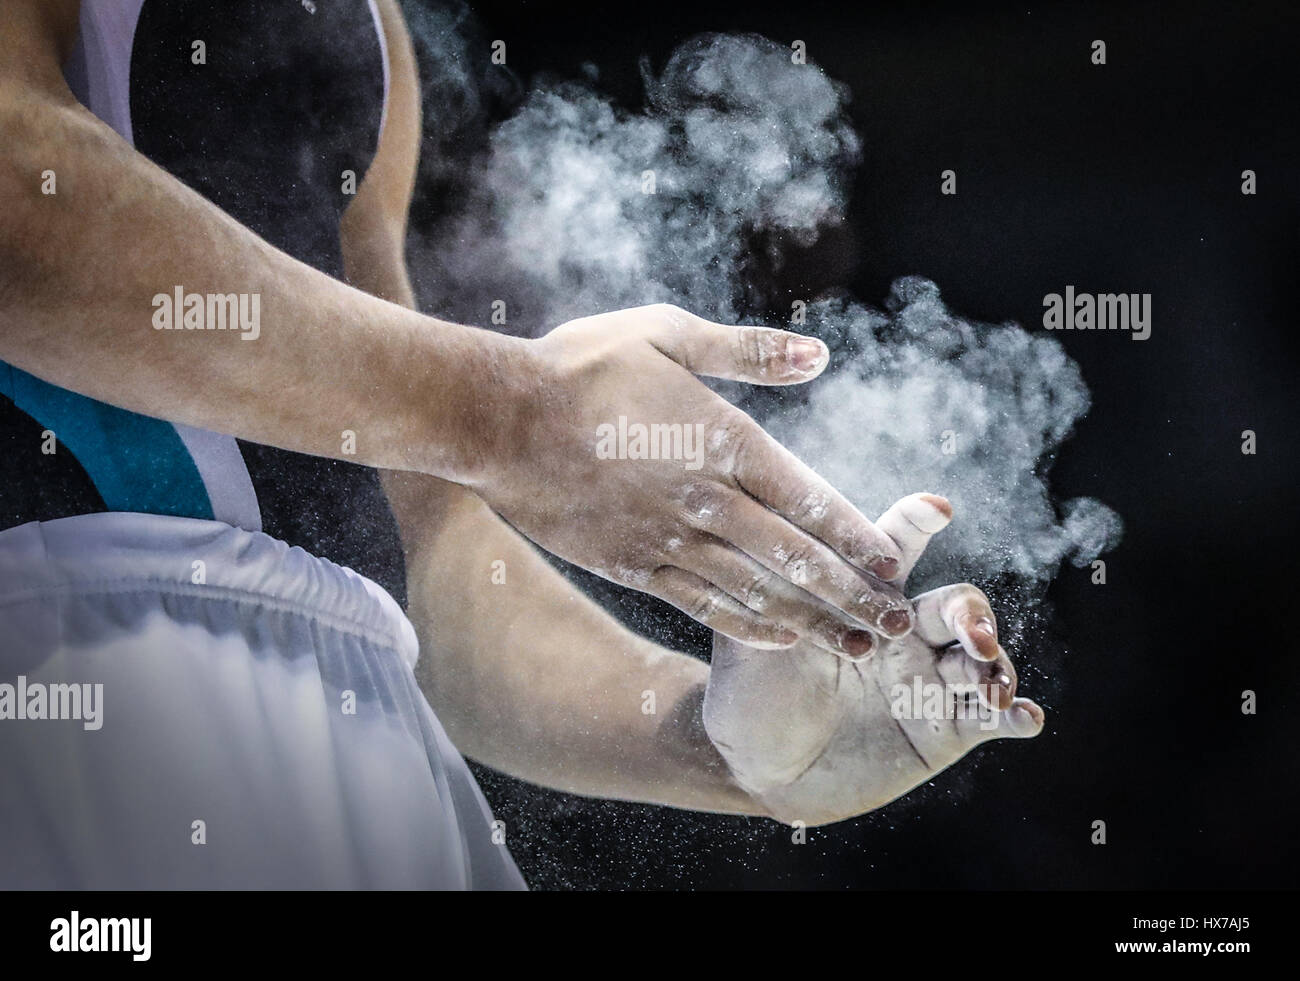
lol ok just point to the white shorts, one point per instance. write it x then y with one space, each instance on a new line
184 704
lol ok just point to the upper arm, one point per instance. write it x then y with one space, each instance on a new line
35 38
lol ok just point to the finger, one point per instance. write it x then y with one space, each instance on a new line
779 480
910 523
993 682
766 593
1023 720
797 558
705 602
758 355
958 613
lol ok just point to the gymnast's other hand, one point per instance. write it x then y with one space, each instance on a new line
618 459
817 738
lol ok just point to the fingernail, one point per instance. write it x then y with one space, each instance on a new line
896 622
884 568
806 354
929 513
940 504
858 643
984 628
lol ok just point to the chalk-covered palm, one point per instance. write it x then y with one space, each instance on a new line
817 737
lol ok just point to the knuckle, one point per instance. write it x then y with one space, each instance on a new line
729 439
635 576
764 351
704 605
877 599
662 582
828 628
869 545
704 504
795 560
670 313
852 544
756 590
811 504
753 351
872 599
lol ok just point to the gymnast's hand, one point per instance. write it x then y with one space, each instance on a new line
818 738
735 532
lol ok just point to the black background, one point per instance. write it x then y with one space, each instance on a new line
1122 177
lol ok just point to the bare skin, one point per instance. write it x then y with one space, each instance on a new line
753 543
528 676
817 739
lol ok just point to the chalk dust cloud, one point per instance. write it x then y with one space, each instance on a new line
742 148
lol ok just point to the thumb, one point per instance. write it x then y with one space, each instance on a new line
758 355
910 523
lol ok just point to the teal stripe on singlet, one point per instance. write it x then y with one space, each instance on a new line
136 462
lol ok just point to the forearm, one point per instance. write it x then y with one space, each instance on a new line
532 678
79 270
527 674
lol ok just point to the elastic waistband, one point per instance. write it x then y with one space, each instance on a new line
119 552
